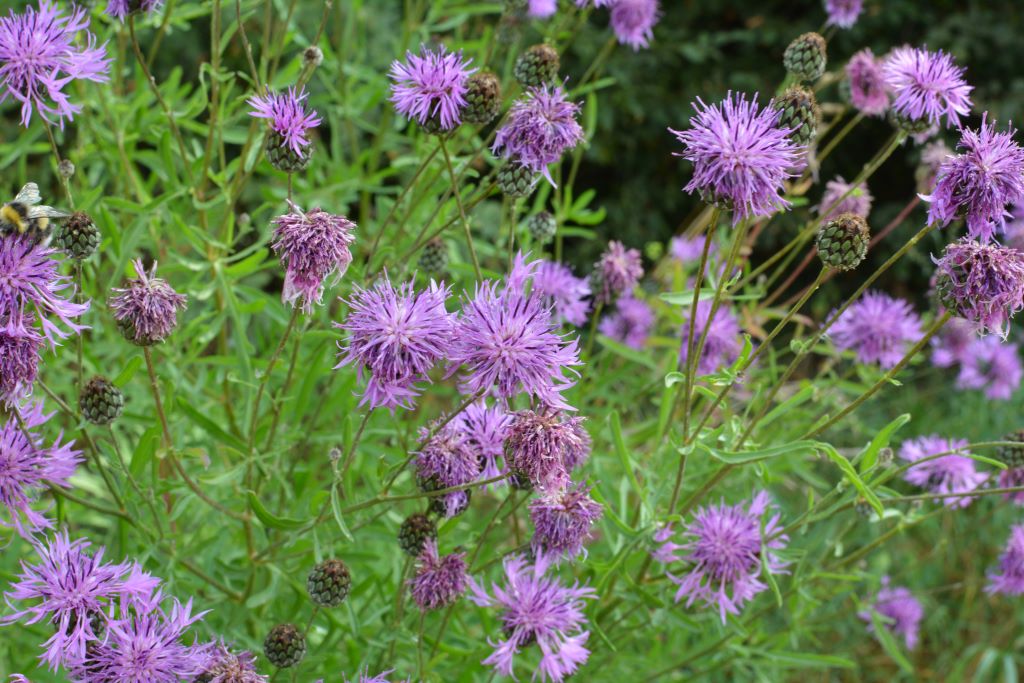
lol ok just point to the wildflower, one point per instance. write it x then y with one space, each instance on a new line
727 546
397 335
842 197
954 342
868 90
878 327
630 323
27 465
447 459
1009 579
722 345
287 116
537 609
740 155
899 609
567 294
19 357
950 473
1011 478
119 9
226 666
485 429
41 51
544 447
618 271
633 21
983 283
311 247
688 250
538 129
562 521
365 677
431 87
926 86
146 310
991 365
541 9
980 182
439 581
843 13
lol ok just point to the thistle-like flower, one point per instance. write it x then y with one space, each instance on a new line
20 344
119 9
311 246
900 611
993 366
568 295
146 310
630 323
447 459
950 472
287 116
878 327
618 271
688 250
983 283
722 345
539 128
563 521
836 201
485 428
633 21
226 666
740 155
543 448
954 342
541 9
439 581
1009 578
868 90
430 87
926 87
42 51
843 13
981 182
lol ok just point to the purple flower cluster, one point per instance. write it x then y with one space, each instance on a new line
563 520
722 345
446 459
927 86
567 294
311 247
947 473
878 327
146 309
431 87
868 90
630 323
835 200
1009 579
287 116
900 611
843 13
983 283
633 21
539 128
544 448
618 272
439 581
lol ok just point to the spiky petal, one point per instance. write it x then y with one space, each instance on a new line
431 86
286 115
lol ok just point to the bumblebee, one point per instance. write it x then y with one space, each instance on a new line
26 216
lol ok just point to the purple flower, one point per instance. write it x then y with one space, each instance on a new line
1012 478
1009 579
226 666
950 473
287 115
992 365
20 344
431 86
545 447
119 9
858 201
567 294
630 323
722 346
448 459
311 247
485 429
878 327
541 9
983 283
688 250
397 335
365 677
41 52
537 609
539 128
740 155
146 310
618 271
980 182
633 21
439 581
927 86
954 342
562 521
1014 234
933 156
505 338
843 13
727 546
868 91
899 609
27 466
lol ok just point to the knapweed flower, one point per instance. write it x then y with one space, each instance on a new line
1009 578
843 13
396 335
28 466
900 611
933 156
226 666
926 86
727 547
981 182
365 677
563 521
119 9
538 609
993 366
868 91
983 283
878 327
439 581
68 587
287 117
505 338
311 247
146 310
949 473
539 128
43 50
1011 478
633 21
617 272
688 250
568 295
485 429
20 344
541 9
954 342
841 197
630 323
740 155
722 345
544 447
431 87
447 459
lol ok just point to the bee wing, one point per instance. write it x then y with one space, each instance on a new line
48 211
29 195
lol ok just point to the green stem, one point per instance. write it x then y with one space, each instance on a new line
462 209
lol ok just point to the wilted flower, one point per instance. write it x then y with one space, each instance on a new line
544 447
740 155
146 310
562 521
836 201
226 666
119 9
439 581
287 116
950 473
447 459
311 247
618 271
992 365
722 345
539 128
431 87
954 342
566 293
843 13
537 609
633 21
899 609
878 327
485 429
983 283
926 86
43 50
630 323
1009 579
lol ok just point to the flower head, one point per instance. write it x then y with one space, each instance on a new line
485 429
836 201
43 50
1014 236
900 611
541 9
954 342
1011 478
722 345
633 21
868 91
981 182
878 327
950 473
226 666
146 310
539 127
538 609
20 344
688 250
119 9
992 365
740 155
311 247
1009 578
983 283
545 447
567 294
618 271
562 521
439 581
447 459
630 323
365 677
287 116
431 87
397 335
926 86
843 13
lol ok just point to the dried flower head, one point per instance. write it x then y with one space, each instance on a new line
843 13
439 581
630 323
983 283
900 611
1009 578
287 116
311 247
568 295
563 521
950 472
146 310
226 666
633 21
868 90
878 327
842 197
544 447
926 86
431 87
539 128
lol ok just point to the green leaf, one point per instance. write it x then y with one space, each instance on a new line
128 371
211 427
623 452
869 456
269 519
338 517
626 352
889 643
809 660
743 457
851 474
